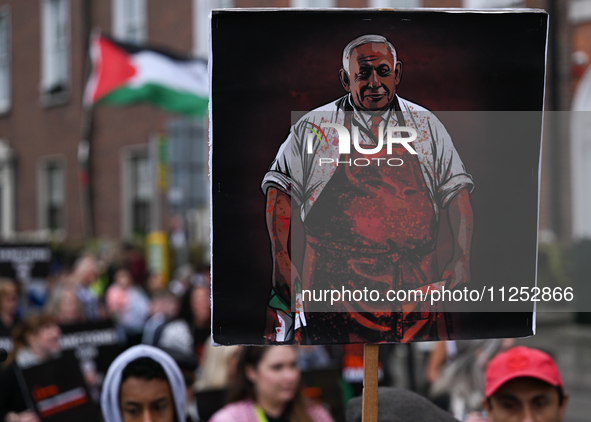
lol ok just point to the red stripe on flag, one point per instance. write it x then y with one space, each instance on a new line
113 68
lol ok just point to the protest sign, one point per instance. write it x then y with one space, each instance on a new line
24 261
29 265
57 397
94 344
398 154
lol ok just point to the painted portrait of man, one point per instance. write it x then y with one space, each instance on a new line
368 218
357 154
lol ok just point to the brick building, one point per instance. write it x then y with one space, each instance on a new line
42 120
43 69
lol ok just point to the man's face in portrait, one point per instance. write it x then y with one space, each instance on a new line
373 76
526 400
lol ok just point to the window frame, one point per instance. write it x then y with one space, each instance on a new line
8 191
128 154
201 11
120 21
43 194
579 11
48 61
6 104
187 138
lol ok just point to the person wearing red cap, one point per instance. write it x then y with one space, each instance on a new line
524 385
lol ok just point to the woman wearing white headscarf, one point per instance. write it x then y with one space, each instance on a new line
143 383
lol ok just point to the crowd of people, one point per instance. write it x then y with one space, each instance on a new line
168 370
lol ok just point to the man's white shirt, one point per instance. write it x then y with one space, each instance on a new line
300 174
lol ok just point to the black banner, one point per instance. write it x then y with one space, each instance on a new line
60 398
94 344
24 261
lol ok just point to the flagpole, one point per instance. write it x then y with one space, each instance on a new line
84 147
84 173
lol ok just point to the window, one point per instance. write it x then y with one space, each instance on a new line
188 185
138 188
7 191
129 20
55 45
486 4
313 3
187 162
52 195
579 11
201 10
395 3
4 59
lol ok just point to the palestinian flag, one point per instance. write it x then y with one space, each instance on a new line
124 74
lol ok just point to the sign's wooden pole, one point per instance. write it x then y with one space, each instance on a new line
370 383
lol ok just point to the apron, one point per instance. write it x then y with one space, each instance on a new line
372 227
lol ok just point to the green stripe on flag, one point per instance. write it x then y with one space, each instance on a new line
160 96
